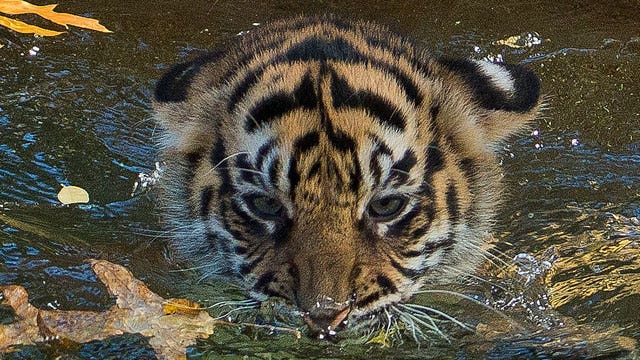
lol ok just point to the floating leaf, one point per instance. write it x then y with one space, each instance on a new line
524 40
22 27
17 7
73 195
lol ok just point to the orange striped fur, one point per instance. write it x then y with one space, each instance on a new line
335 164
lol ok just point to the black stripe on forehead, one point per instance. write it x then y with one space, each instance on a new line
246 169
380 149
435 160
401 169
302 145
376 169
322 50
355 174
263 164
269 109
274 168
218 156
340 140
343 95
281 103
263 152
319 49
314 170
294 177
306 143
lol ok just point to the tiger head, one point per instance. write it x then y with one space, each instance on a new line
334 164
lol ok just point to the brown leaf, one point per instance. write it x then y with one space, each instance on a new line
17 7
137 310
25 331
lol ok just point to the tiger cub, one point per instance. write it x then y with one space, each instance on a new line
334 164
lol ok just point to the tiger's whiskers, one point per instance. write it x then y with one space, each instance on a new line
226 159
237 306
416 321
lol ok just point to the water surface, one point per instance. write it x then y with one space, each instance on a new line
79 113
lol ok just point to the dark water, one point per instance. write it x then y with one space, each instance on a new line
78 113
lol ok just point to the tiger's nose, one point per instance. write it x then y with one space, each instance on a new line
327 316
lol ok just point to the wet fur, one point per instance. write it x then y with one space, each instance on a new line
325 116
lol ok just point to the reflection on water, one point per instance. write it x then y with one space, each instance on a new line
77 113
599 271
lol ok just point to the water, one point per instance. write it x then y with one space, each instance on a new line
77 113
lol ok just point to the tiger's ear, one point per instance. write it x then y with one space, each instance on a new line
508 95
174 84
182 130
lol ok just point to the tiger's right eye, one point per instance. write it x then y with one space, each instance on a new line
387 208
265 207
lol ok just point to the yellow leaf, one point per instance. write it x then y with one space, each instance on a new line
73 195
181 306
16 7
511 41
21 27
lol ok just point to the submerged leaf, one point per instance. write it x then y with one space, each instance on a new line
73 195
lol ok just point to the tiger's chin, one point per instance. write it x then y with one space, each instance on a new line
392 318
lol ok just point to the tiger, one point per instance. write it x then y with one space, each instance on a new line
335 165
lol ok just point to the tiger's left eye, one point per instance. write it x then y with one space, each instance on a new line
265 206
386 208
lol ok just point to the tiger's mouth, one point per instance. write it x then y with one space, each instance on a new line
328 316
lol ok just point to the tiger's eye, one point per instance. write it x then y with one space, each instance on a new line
265 206
386 208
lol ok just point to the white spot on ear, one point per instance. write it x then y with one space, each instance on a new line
499 75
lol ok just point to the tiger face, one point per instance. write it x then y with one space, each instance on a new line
335 164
